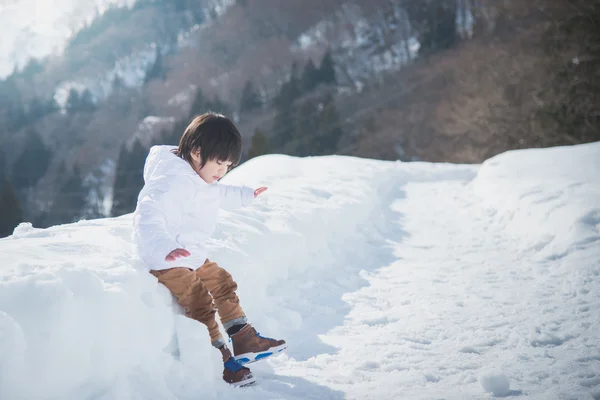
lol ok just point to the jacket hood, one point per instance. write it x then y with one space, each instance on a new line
161 162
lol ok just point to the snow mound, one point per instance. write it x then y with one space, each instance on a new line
81 321
548 198
495 383
388 280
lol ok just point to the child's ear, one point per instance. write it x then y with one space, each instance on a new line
196 155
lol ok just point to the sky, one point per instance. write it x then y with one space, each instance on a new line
37 28
388 280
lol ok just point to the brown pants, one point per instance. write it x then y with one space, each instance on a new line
199 291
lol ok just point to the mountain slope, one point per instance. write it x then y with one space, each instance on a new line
507 75
388 280
47 32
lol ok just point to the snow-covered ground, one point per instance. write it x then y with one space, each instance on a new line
388 280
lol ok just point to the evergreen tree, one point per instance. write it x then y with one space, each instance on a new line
293 127
87 103
129 178
294 84
15 115
32 164
36 110
3 174
199 104
39 108
138 159
286 96
310 77
303 144
329 129
434 23
120 183
158 69
12 109
287 119
212 13
283 126
218 106
311 127
327 69
250 98
80 102
196 8
202 105
289 91
69 204
73 100
259 145
11 213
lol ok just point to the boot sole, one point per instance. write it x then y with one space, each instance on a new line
244 383
249 358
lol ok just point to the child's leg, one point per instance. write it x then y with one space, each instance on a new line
194 297
222 287
248 345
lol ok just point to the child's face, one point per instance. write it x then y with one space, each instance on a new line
213 170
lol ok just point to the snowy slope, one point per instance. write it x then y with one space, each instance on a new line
33 28
389 281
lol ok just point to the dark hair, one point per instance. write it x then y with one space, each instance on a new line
216 137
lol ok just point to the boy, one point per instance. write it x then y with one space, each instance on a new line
176 212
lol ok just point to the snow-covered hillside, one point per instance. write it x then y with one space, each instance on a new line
365 45
388 280
46 30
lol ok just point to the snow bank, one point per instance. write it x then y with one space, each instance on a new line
81 322
547 198
495 383
77 321
380 276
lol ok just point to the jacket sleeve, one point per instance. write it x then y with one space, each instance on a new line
150 223
233 197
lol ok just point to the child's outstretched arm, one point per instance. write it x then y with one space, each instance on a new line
233 197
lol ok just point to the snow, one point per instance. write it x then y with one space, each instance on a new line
131 71
549 204
365 45
46 30
495 383
389 280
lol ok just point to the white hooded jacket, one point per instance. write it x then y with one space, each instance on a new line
176 208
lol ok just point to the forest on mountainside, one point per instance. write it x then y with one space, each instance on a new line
486 77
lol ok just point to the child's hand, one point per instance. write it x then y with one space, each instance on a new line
175 254
259 191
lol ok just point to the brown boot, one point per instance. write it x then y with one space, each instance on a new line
249 346
233 372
